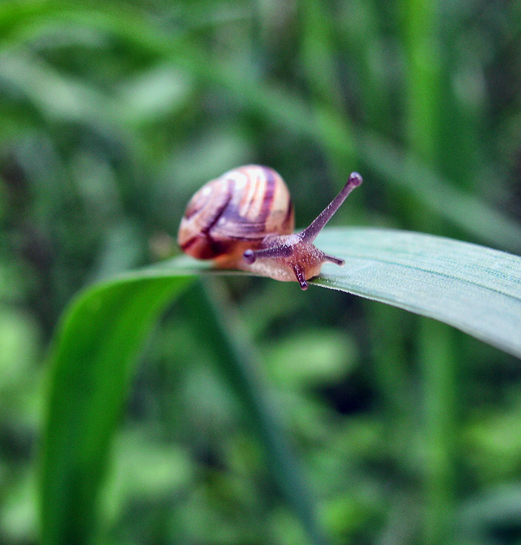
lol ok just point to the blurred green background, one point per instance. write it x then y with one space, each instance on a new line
113 113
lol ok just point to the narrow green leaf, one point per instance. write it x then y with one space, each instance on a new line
91 365
473 288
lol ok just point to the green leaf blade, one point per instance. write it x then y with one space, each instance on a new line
92 364
470 287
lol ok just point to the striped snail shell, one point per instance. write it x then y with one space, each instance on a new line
244 219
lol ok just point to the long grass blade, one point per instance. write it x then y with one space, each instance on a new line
473 288
90 369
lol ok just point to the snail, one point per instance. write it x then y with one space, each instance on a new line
244 219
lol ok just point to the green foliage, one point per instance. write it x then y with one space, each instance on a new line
477 289
470 287
93 366
112 114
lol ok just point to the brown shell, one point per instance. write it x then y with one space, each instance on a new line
235 212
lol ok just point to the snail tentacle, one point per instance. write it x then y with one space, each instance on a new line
250 256
311 232
335 260
301 278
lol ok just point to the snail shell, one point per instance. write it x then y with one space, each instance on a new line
234 213
244 219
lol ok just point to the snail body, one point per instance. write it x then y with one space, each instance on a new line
245 220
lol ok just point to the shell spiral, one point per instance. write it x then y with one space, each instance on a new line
235 212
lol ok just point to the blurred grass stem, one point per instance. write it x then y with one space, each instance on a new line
236 361
422 46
